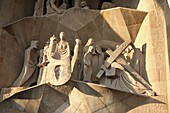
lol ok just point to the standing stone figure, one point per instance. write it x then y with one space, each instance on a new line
57 68
88 64
51 49
77 3
46 54
41 66
90 42
98 60
53 6
57 6
62 47
101 55
30 64
60 63
39 8
76 60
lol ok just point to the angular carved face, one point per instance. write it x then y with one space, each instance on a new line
91 49
90 42
53 40
98 48
35 44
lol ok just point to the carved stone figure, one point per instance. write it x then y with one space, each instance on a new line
57 70
43 7
43 61
30 64
90 42
57 6
39 8
88 64
83 5
76 59
97 61
120 79
62 48
119 76
101 55
52 6
127 53
77 3
51 49
118 51
41 66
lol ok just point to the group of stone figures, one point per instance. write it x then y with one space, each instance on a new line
43 7
90 63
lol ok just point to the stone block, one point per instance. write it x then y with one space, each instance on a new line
32 106
21 104
76 102
65 108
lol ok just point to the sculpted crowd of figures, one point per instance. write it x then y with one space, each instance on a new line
114 67
46 7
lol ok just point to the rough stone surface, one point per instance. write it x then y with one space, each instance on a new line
145 22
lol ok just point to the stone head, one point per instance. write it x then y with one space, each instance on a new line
78 41
35 44
53 40
62 35
98 49
91 49
83 3
128 49
90 42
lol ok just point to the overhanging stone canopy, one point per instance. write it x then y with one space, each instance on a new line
81 23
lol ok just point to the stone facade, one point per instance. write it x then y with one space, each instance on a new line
143 24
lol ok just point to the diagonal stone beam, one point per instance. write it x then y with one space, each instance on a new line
114 55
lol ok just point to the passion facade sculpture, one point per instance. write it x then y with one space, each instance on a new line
91 63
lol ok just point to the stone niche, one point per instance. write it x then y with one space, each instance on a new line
142 24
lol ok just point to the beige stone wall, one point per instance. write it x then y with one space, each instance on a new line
11 59
153 33
167 13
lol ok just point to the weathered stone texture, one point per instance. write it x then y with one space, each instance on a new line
12 10
11 56
148 26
